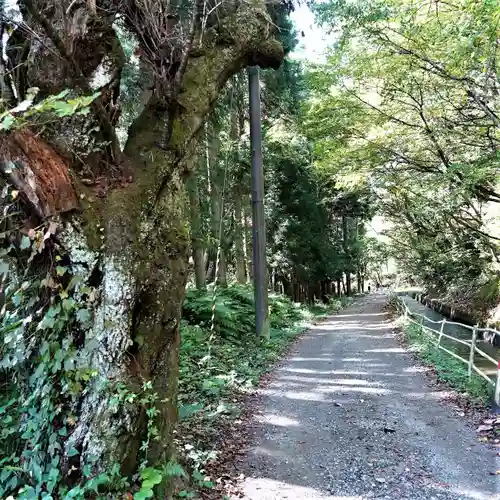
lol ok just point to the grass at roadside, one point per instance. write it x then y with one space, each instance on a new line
448 370
216 370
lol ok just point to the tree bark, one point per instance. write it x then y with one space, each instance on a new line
239 252
196 236
127 236
345 242
247 239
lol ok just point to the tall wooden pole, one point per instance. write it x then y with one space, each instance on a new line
258 218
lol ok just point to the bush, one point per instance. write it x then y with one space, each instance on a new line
235 311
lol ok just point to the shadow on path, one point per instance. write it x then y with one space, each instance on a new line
349 416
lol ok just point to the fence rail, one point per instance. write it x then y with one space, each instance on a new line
418 319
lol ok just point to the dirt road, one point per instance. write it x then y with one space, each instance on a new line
349 416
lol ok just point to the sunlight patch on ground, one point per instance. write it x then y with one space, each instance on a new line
416 369
321 372
388 350
358 315
477 495
306 359
437 395
316 380
270 489
358 360
300 395
344 388
260 450
328 328
277 420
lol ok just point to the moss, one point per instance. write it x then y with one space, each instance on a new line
92 223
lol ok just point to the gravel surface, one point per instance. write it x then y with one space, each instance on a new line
349 416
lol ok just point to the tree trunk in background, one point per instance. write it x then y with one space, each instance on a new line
345 242
195 219
247 238
239 250
215 191
287 287
237 122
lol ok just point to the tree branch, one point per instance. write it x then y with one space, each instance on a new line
181 70
81 81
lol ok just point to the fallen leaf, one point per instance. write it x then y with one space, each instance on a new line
484 428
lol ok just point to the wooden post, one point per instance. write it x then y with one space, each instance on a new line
472 350
497 387
443 322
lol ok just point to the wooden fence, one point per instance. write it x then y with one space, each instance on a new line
438 334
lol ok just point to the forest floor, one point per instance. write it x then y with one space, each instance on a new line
349 415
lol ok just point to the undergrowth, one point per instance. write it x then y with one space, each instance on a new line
214 369
448 369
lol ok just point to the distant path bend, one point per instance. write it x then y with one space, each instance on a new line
349 416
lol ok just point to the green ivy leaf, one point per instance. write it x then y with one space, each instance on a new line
25 243
143 494
150 474
7 122
188 410
61 270
186 494
73 452
83 315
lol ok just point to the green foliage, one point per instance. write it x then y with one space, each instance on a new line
214 368
404 91
233 310
46 373
448 369
35 112
44 370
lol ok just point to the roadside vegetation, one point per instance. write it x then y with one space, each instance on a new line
219 366
126 199
448 370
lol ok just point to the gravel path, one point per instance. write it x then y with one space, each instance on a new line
349 416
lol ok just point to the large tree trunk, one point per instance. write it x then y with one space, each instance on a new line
127 235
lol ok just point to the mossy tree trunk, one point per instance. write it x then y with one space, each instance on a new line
126 231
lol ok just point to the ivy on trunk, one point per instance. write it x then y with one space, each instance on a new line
123 217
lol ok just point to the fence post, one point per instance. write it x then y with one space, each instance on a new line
441 330
497 387
472 350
